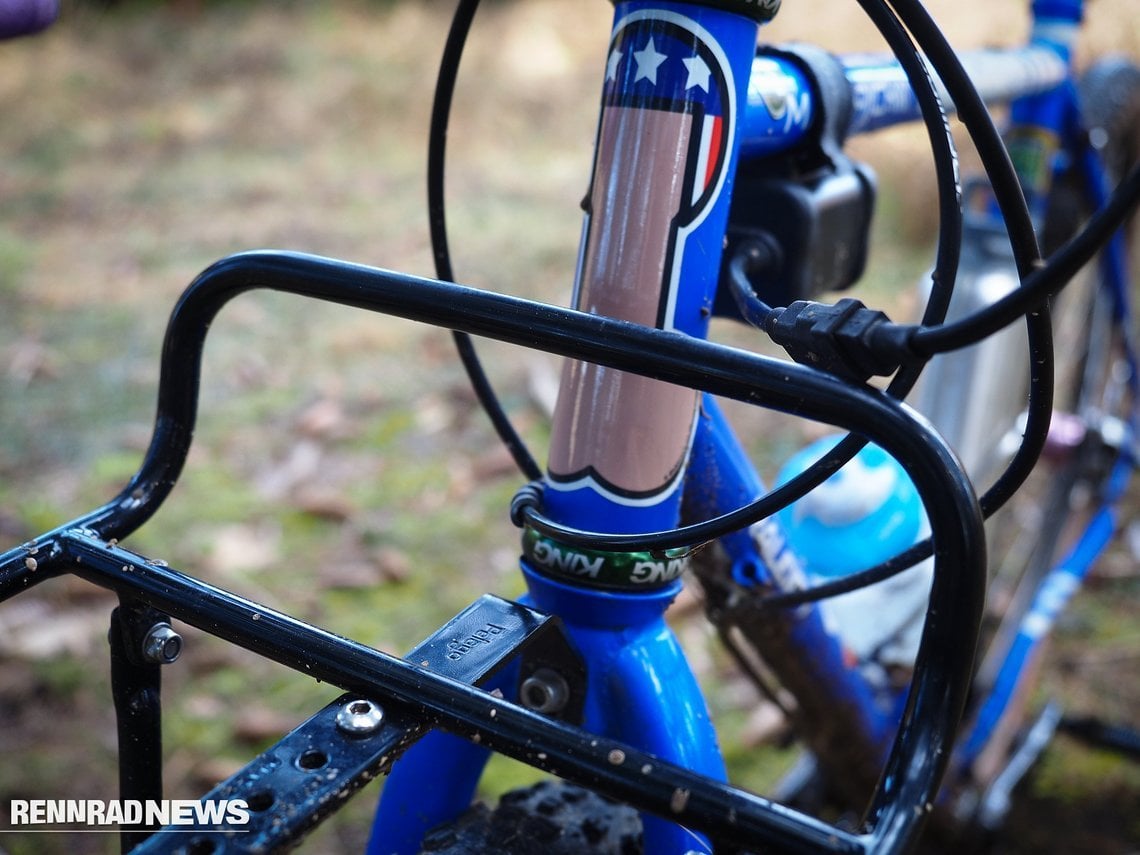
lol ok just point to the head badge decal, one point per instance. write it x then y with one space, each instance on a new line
663 144
662 65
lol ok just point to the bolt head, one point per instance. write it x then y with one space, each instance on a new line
360 717
162 644
545 691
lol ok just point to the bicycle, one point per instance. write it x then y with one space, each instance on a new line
551 678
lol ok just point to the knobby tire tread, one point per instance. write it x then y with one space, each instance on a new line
548 818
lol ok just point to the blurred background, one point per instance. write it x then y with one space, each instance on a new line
140 141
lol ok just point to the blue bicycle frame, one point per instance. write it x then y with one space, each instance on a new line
638 442
685 97
675 90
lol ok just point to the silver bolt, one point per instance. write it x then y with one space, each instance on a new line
359 718
162 644
545 691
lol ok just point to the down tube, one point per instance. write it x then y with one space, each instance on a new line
805 655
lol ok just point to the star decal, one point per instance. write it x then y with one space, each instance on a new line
698 73
612 65
648 60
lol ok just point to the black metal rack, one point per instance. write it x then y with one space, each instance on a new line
428 689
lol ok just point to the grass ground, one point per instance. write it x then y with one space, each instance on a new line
143 141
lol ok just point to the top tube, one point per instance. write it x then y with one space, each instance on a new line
782 103
883 97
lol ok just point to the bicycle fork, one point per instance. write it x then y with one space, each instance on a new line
639 690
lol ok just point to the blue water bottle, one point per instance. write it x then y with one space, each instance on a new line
862 515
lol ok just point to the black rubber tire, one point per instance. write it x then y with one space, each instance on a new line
1110 101
548 818
1063 495
1110 96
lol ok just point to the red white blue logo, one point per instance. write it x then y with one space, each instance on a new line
663 144
659 64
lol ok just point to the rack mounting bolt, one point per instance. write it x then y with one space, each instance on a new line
162 644
359 718
545 691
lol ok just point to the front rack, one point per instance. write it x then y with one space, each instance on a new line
428 689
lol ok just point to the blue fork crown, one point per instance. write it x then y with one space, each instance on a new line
640 691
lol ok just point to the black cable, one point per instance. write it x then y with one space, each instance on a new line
947 254
975 115
1010 199
754 256
437 224
1041 284
949 248
948 244
1037 287
851 582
